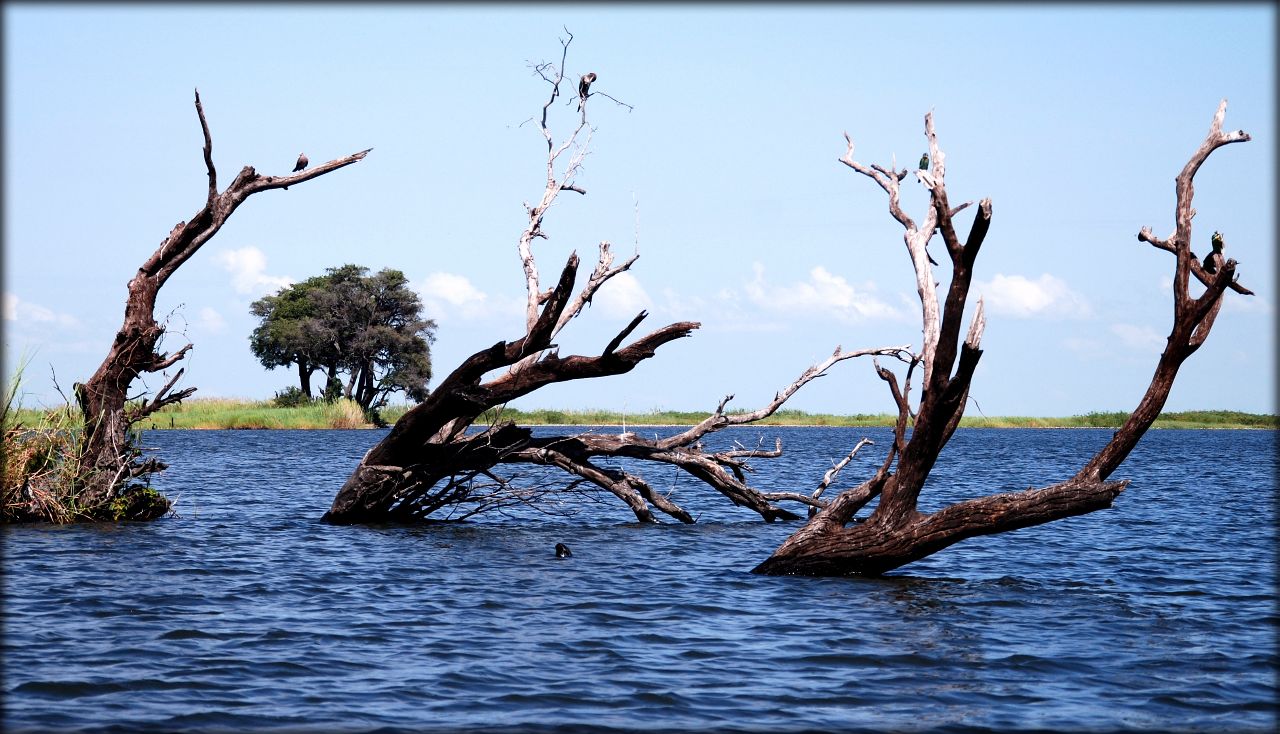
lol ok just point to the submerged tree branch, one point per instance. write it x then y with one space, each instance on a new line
896 533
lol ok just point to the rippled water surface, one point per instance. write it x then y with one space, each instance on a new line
245 613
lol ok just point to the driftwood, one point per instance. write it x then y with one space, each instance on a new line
109 459
436 462
896 533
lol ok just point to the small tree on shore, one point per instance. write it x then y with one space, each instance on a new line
347 321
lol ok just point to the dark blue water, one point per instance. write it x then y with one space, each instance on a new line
244 613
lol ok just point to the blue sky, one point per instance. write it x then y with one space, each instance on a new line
1073 119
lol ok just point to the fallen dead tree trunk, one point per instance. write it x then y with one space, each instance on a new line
436 462
896 533
417 469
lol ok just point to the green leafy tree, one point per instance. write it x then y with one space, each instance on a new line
290 331
346 322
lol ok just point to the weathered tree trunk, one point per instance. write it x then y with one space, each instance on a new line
368 391
896 533
108 457
304 377
349 391
331 382
430 465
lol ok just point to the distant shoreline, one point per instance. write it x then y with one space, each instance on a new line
220 413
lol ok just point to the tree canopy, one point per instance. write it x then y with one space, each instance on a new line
368 328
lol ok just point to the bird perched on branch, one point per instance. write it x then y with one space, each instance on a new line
302 162
924 162
584 87
1214 259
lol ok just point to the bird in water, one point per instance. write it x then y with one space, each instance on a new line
584 87
562 551
302 162
1213 259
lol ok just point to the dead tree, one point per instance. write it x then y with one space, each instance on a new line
436 463
109 460
897 533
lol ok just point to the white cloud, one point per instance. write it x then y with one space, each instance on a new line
1139 338
211 321
448 296
247 266
622 297
823 293
692 308
16 309
1020 297
722 311
453 289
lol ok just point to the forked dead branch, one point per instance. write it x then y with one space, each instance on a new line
896 533
109 459
437 463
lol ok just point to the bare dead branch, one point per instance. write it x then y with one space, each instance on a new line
604 270
616 101
208 151
614 342
719 419
616 485
432 437
916 239
836 468
164 362
1193 318
730 456
106 453
896 533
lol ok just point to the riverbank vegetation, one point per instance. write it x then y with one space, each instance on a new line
224 413
101 471
42 469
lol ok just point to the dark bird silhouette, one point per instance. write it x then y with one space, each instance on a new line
584 87
302 162
562 551
924 162
1214 259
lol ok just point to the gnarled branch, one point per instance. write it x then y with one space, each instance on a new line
896 533
103 396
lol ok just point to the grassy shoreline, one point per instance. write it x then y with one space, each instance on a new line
221 413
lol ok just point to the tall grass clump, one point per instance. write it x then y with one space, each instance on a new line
42 474
344 413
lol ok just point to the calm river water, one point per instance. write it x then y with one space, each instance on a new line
245 613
